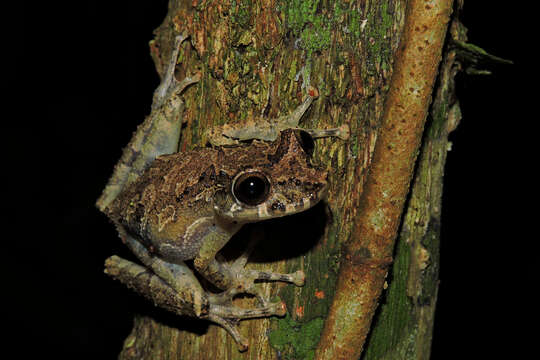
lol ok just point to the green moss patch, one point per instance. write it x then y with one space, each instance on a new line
296 340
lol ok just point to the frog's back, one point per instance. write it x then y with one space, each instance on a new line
170 195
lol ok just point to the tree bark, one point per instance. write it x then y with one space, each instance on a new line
259 58
404 326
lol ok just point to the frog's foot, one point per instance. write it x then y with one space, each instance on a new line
246 284
343 132
244 280
229 316
169 86
249 285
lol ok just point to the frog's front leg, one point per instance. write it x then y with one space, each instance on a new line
212 236
245 278
269 129
215 233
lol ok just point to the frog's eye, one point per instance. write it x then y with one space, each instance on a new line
251 188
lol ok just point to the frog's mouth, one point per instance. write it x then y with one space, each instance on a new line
275 206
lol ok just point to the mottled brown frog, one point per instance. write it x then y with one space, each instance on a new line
172 207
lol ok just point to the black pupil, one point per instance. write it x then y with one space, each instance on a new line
251 190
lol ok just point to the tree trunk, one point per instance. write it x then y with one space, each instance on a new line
259 58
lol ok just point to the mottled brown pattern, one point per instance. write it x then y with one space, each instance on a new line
180 188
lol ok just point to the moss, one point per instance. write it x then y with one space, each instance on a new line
292 71
241 12
296 340
299 13
350 15
316 37
394 311
379 27
306 23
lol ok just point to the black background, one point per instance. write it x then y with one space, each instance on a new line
82 66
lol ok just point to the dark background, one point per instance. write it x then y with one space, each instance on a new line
82 66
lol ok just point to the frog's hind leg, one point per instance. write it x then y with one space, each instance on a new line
159 133
163 295
177 275
228 316
169 86
191 300
180 278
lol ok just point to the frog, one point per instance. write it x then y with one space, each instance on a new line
176 210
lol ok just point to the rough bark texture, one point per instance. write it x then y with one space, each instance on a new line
404 325
368 253
259 57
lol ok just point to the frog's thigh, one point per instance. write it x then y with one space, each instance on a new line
176 275
143 281
212 237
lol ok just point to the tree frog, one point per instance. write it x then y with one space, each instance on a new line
171 207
